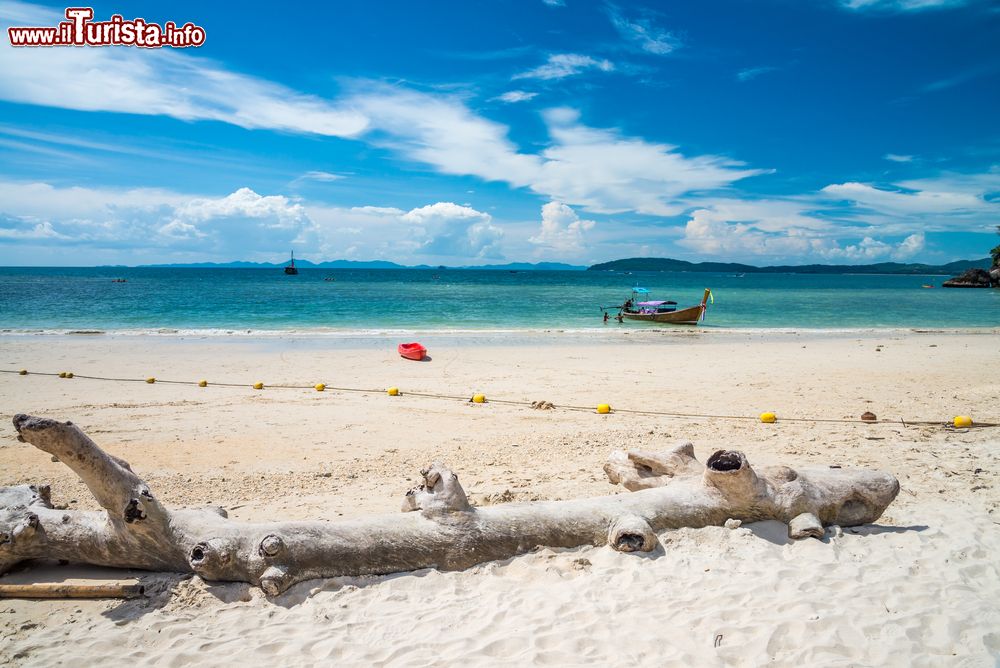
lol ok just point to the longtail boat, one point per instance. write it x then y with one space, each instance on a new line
662 311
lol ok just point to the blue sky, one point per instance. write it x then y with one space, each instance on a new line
785 131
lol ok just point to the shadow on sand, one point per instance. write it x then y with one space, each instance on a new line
777 532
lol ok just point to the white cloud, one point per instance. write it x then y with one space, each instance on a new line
555 3
24 230
436 130
323 177
442 211
872 250
240 224
963 77
711 232
959 196
562 65
608 173
156 82
562 229
901 5
896 157
444 133
243 202
645 34
513 96
455 230
599 169
378 210
243 217
911 245
844 222
754 72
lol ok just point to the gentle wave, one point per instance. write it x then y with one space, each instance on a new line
443 332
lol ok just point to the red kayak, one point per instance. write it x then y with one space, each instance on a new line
412 351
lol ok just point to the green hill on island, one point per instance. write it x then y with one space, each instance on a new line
668 264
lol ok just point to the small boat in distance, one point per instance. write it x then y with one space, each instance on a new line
290 269
662 311
412 351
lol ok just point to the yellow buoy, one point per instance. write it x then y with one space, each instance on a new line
23 372
479 398
393 391
258 385
603 409
150 380
69 374
202 383
963 421
320 387
768 417
62 374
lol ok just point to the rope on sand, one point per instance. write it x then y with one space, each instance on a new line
945 424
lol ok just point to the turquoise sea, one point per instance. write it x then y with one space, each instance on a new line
219 301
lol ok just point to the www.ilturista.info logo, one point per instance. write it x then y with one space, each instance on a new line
81 30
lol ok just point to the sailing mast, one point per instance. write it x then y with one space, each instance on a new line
290 269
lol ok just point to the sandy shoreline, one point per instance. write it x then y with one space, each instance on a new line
921 586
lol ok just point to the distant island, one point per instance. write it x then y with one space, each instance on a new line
370 264
668 264
628 264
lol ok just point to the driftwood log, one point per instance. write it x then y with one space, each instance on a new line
670 490
60 590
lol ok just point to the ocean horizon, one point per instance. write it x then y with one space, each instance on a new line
171 301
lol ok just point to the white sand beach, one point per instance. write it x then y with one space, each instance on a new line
919 587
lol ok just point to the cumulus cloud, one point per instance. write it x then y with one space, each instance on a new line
240 223
456 230
562 229
244 202
710 232
562 65
873 250
24 229
443 211
243 217
911 245
156 82
844 222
